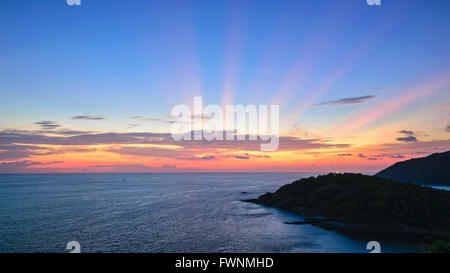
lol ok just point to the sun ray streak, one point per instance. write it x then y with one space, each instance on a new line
234 47
350 60
367 116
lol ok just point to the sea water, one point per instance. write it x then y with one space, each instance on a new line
159 212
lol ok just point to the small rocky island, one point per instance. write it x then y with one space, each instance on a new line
359 204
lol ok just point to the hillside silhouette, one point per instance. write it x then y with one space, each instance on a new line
358 203
430 170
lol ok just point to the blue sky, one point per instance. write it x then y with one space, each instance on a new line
117 59
92 58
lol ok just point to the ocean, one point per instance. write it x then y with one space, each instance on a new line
159 212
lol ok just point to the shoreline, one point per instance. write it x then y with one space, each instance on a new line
406 234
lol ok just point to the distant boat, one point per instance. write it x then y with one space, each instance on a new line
244 192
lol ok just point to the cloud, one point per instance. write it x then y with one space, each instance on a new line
65 132
80 150
415 147
149 152
137 168
389 155
407 139
287 143
197 158
164 120
344 154
28 145
14 152
130 126
20 166
172 119
346 101
413 133
62 132
210 157
47 125
204 116
368 158
31 137
177 154
88 117
406 132
379 89
127 168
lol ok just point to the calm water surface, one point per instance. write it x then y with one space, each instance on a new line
158 213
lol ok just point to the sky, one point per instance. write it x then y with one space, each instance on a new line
90 88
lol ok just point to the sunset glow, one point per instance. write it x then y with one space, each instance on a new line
353 97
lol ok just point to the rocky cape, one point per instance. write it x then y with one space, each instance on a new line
359 204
